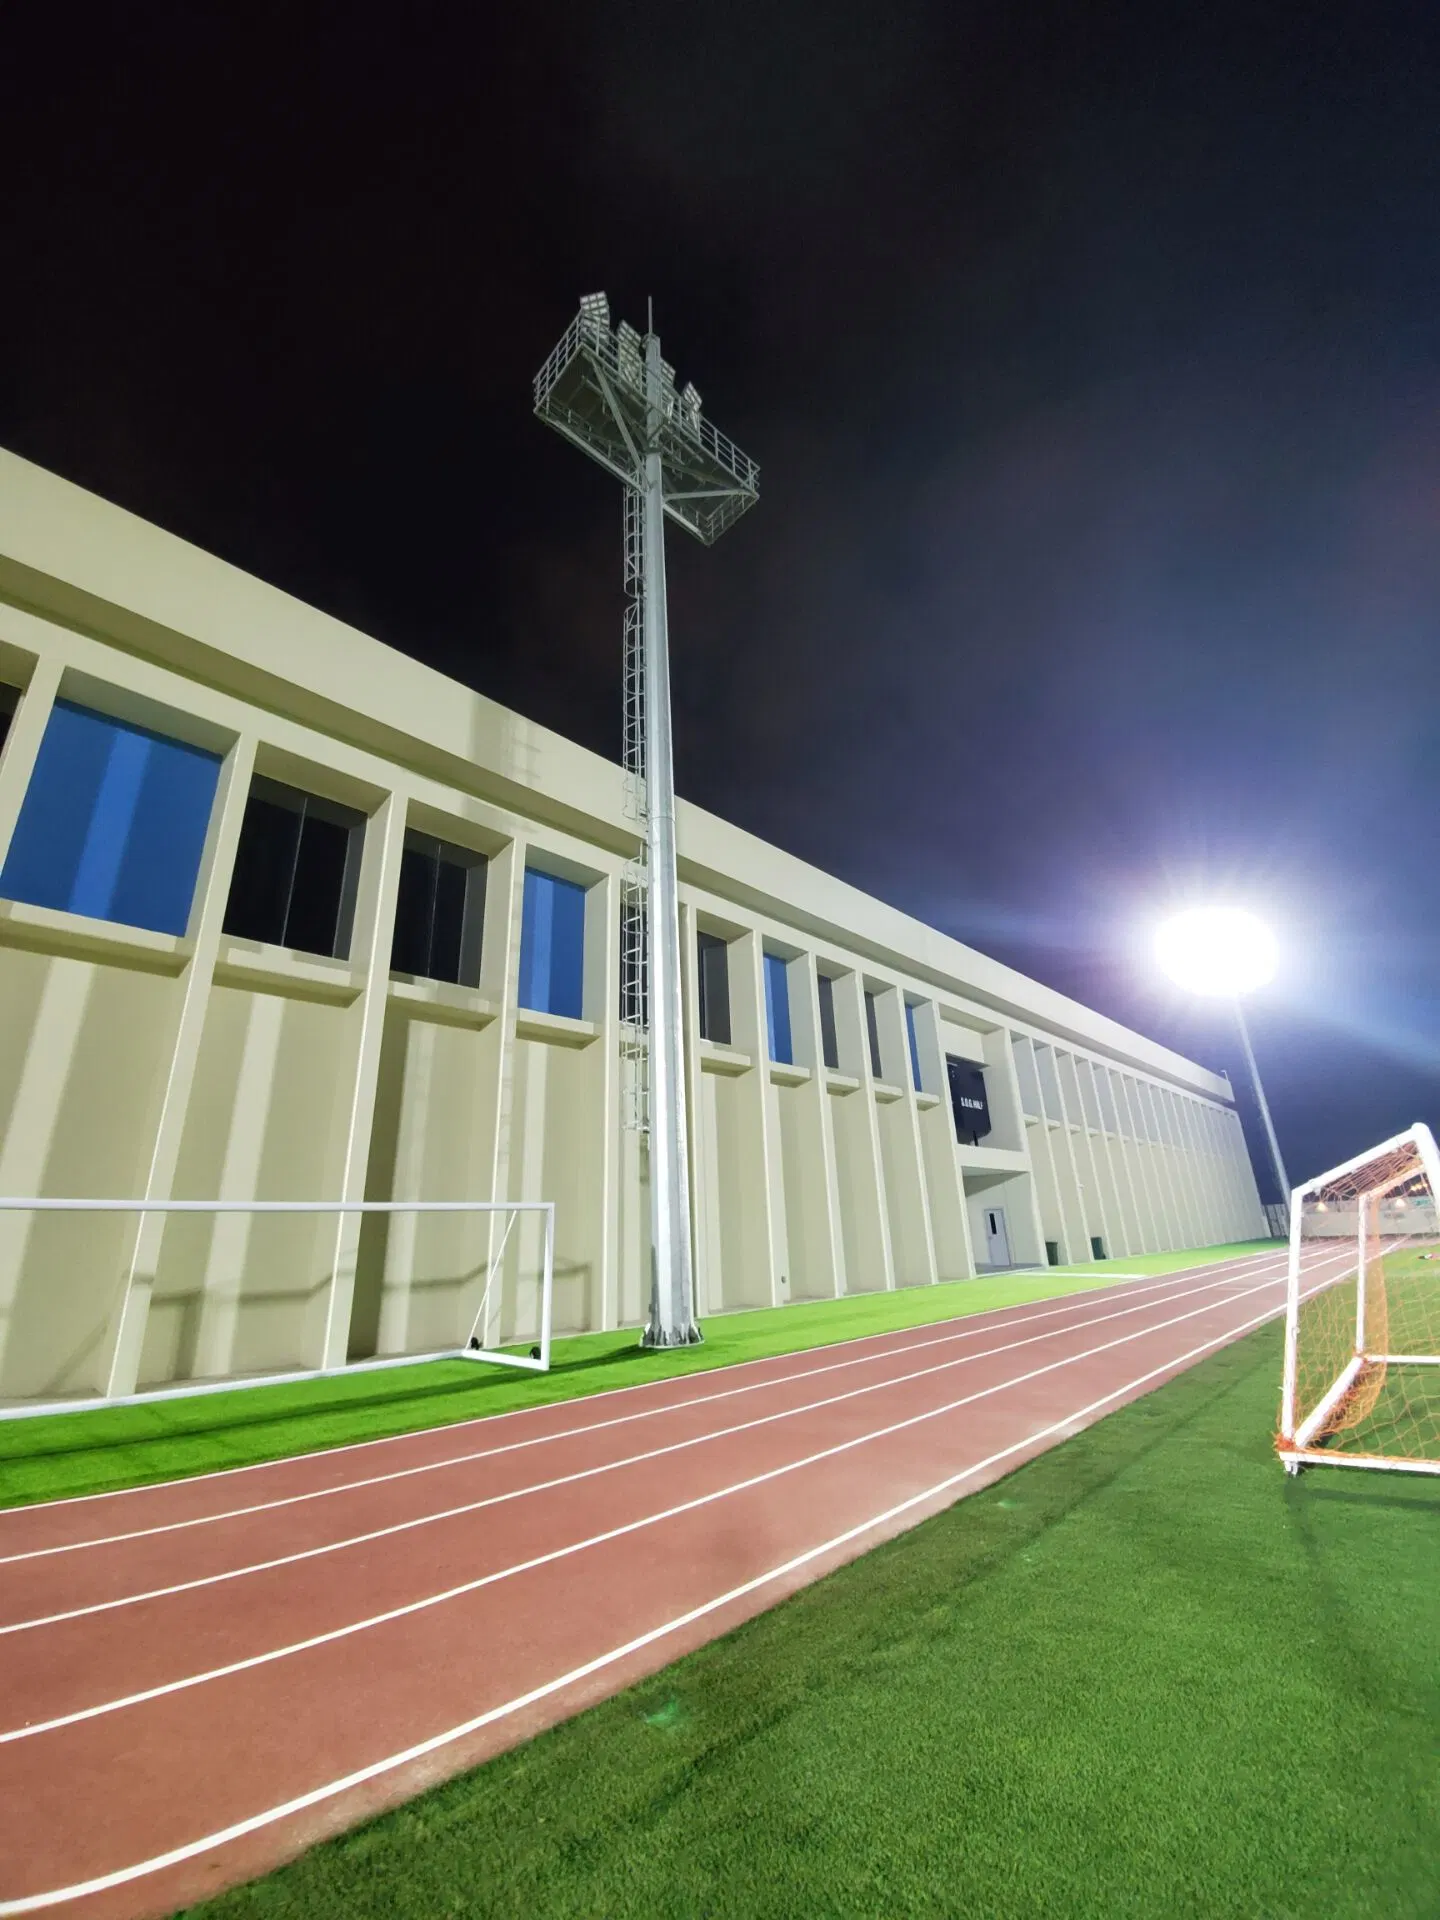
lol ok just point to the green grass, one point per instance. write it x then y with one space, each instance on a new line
1146 1675
56 1456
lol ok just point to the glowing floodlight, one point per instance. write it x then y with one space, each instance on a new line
1217 950
1226 953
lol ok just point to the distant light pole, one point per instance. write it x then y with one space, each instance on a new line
1225 953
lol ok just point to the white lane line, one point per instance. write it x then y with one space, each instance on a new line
422 1605
317 1796
1078 1273
1242 1263
970 1331
1242 1266
583 1473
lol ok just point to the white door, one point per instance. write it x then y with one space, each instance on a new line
997 1239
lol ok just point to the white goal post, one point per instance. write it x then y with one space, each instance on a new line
484 1340
1361 1382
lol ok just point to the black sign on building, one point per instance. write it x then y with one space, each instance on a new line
968 1099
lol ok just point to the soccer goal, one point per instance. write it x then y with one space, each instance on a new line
1362 1325
447 1280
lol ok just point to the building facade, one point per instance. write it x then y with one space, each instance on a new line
285 915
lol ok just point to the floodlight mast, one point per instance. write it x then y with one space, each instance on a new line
1235 954
611 394
1264 1105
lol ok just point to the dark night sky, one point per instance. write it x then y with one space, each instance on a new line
1091 356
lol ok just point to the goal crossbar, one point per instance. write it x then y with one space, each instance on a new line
538 1362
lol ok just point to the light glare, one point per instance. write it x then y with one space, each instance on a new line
1217 950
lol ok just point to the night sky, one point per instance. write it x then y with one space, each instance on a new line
1091 356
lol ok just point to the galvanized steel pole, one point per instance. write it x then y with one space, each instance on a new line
672 1311
1264 1106
608 391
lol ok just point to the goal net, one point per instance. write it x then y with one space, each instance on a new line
1362 1329
164 1298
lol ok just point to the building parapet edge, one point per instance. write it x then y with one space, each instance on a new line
74 558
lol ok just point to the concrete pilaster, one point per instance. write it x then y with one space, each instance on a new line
212 891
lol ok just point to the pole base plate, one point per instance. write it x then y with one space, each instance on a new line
690 1336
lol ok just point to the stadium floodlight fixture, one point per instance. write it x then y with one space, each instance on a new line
1222 951
608 390
1225 953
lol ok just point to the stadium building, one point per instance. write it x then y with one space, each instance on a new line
285 915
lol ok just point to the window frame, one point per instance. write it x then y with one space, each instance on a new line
282 796
712 959
99 833
872 1034
438 853
580 889
829 1030
913 1038
779 1023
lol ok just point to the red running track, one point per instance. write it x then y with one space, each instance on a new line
200 1679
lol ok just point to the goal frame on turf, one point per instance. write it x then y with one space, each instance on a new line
471 1348
1298 1439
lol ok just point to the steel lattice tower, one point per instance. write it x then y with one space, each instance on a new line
610 392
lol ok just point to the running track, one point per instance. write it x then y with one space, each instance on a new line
200 1679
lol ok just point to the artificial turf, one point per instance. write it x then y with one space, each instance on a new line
51 1457
1146 1675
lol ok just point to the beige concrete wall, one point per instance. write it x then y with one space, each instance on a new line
201 1066
236 1293
80 1048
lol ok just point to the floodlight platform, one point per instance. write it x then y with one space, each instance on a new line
592 389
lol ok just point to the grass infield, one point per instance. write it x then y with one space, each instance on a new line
51 1457
1146 1675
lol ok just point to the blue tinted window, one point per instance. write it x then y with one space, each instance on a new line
914 1045
552 945
113 823
777 1009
